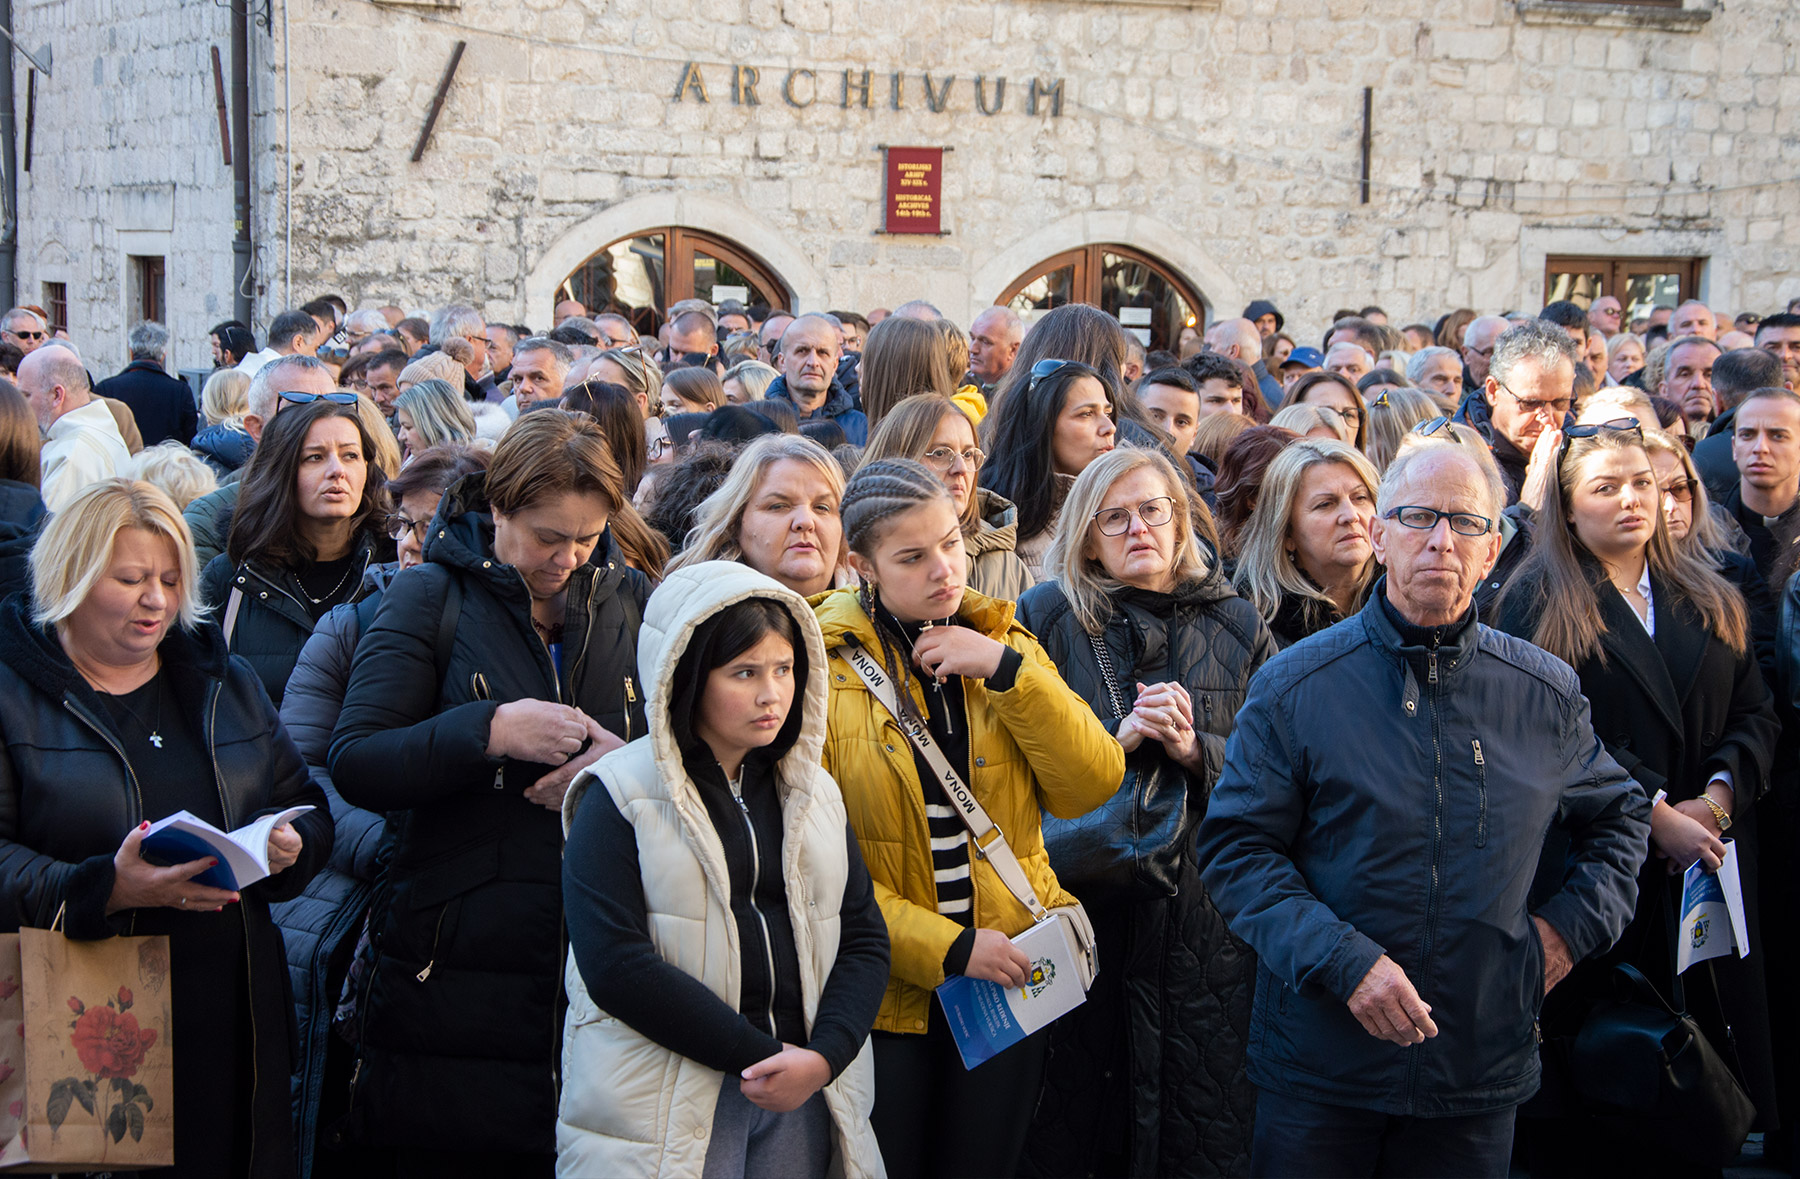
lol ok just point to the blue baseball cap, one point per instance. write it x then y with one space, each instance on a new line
1305 357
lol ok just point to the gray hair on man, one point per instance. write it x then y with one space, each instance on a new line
457 321
148 340
1535 339
271 380
1415 449
914 309
20 315
559 352
361 323
1415 366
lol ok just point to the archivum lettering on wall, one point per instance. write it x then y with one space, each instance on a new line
863 89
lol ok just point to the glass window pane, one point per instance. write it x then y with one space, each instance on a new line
1048 290
1580 289
1645 292
1127 284
628 272
710 271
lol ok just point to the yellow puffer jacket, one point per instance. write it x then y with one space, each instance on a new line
1035 745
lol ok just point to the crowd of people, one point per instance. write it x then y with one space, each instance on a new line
684 698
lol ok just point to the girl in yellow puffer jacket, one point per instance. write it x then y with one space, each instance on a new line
998 709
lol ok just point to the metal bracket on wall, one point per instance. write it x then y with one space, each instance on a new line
437 101
260 11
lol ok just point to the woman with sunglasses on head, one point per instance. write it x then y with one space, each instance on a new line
1061 419
932 429
1305 559
996 709
306 528
320 927
1662 645
1144 627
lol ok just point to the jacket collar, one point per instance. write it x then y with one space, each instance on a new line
462 537
92 416
837 399
1453 645
997 524
842 619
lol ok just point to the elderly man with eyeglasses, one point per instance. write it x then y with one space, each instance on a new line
1528 392
1374 837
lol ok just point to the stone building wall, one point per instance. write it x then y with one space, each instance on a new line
1222 136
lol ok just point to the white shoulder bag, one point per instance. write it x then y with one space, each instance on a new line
990 840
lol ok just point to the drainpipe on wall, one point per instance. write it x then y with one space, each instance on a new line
242 245
9 176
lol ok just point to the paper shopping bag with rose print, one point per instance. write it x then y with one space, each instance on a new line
87 1073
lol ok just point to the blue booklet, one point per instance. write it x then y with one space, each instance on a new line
986 1018
243 854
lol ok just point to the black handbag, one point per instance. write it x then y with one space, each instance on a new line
1640 1060
1134 841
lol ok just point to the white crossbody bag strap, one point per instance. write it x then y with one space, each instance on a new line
990 840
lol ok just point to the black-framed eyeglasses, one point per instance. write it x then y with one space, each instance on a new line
398 524
1425 519
1554 405
1153 512
943 458
1590 429
295 397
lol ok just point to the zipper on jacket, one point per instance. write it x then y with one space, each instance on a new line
587 637
630 701
755 879
137 792
1480 793
436 934
1437 850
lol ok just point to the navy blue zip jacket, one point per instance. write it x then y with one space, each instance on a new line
1387 790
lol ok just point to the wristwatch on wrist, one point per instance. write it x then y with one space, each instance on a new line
1719 814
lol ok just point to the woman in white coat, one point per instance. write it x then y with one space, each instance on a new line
727 954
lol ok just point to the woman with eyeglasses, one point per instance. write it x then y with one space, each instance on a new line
431 413
306 528
1304 558
1333 392
321 926
1662 645
934 430
1063 418
1143 625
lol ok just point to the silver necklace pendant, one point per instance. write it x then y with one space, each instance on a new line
156 740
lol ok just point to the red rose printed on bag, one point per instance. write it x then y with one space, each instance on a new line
110 1045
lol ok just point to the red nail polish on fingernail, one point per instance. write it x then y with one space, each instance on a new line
212 863
145 826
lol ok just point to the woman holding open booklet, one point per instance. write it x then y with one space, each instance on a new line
1014 734
122 708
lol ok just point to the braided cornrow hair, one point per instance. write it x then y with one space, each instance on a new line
878 493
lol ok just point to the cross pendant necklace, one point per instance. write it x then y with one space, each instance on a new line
156 737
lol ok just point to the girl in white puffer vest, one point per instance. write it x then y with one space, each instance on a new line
727 954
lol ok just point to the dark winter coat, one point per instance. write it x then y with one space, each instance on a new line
272 623
838 406
1515 527
1712 456
1387 791
1673 711
461 1021
320 927
163 407
69 794
1173 1013
1475 412
225 449
22 516
209 521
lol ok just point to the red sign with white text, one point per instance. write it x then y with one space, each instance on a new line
915 189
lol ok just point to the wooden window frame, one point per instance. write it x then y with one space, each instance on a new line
1616 271
1089 263
680 244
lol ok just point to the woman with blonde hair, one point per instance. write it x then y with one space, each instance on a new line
1214 435
1143 625
1313 421
1392 415
748 380
429 414
1662 645
931 429
630 367
1305 558
224 400
175 470
903 357
777 512
122 707
1624 356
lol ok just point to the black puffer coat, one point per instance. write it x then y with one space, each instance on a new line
272 624
1147 1077
461 1021
22 514
319 928
69 794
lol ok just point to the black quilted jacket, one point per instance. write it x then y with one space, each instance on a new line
1147 1077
